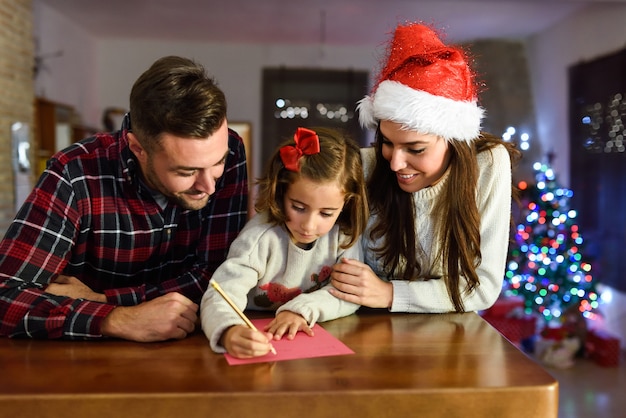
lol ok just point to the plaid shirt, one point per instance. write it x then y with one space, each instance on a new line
91 217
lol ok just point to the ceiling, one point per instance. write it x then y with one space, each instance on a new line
327 22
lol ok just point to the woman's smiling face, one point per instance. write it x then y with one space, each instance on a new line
419 160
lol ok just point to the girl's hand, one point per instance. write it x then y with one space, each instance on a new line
290 323
355 282
243 342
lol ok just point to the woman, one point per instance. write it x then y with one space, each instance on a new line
439 189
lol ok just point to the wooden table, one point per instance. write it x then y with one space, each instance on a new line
405 365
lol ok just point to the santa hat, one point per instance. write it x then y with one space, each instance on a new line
425 86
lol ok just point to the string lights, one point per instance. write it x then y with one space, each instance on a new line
288 109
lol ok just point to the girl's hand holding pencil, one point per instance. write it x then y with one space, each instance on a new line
243 341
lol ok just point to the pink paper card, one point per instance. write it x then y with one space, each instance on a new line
322 344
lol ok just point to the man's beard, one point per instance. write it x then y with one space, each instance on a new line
178 198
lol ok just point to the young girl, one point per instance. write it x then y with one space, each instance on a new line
312 207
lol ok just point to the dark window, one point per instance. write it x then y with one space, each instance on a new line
598 161
308 98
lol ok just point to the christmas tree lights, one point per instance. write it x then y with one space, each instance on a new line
546 264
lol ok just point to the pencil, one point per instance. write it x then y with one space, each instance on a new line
237 310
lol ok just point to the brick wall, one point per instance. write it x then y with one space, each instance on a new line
17 87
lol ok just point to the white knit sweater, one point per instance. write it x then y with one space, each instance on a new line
494 204
265 270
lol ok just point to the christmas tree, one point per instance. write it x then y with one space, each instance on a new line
547 265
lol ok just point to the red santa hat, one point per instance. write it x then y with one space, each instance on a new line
425 86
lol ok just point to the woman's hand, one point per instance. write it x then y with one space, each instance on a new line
355 282
243 342
290 323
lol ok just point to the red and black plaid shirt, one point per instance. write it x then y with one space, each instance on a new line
91 217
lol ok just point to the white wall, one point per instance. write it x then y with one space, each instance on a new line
596 31
68 78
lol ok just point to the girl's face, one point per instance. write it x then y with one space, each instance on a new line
312 209
419 160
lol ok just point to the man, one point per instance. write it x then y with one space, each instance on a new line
123 230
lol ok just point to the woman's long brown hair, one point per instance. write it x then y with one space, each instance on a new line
458 219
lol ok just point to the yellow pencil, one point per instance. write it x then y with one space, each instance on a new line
237 310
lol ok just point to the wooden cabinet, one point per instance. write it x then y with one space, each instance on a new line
57 125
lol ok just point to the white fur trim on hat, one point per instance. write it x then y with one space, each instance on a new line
420 111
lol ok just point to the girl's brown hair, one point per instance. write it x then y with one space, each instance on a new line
339 160
458 218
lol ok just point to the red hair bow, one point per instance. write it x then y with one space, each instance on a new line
307 142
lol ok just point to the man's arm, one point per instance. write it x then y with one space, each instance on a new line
33 252
171 316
